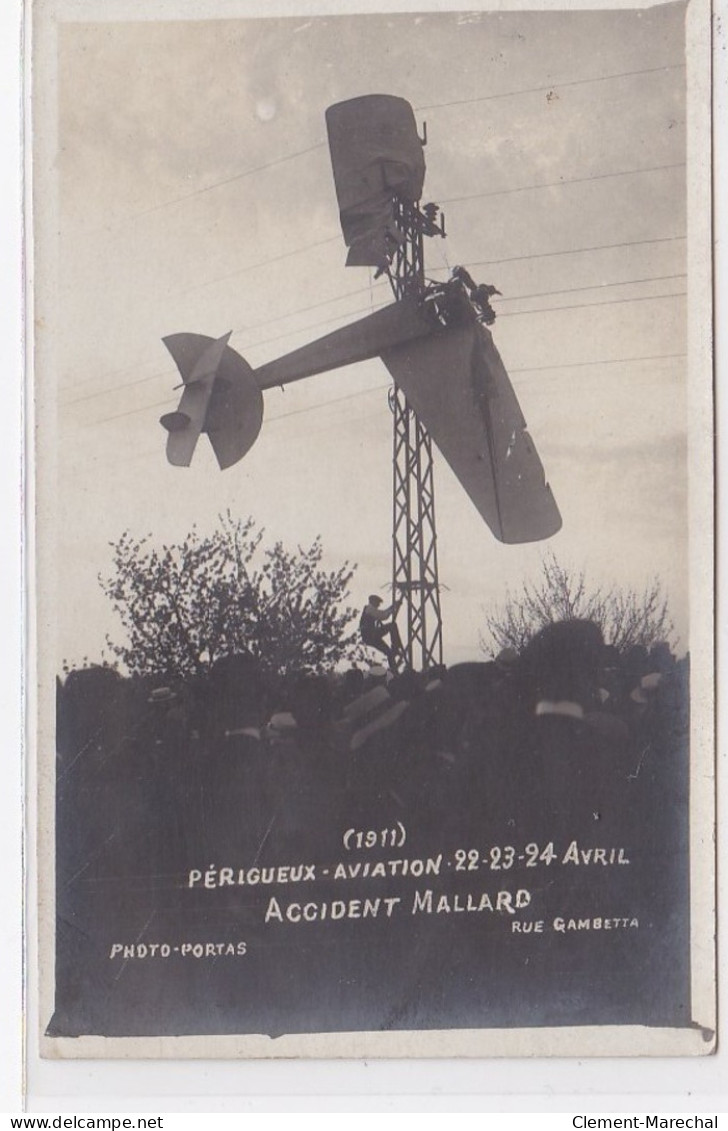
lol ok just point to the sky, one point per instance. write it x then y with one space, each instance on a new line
195 193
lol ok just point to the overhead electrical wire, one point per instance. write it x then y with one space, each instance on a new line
364 392
381 388
325 404
563 181
555 85
132 412
431 270
565 251
476 263
522 369
310 326
447 200
364 310
594 287
253 326
503 314
114 389
113 372
262 263
332 239
598 361
316 305
233 179
586 305
239 271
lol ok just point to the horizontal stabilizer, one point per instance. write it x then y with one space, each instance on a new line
189 352
458 386
208 362
221 397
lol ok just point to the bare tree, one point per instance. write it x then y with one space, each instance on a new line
625 616
184 606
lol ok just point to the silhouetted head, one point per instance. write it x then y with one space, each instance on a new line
238 690
661 658
506 659
562 662
635 665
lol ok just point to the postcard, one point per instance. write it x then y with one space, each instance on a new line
372 472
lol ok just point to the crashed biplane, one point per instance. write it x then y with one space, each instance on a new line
435 343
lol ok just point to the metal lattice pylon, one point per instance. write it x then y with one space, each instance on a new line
415 582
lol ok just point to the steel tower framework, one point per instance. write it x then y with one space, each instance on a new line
415 582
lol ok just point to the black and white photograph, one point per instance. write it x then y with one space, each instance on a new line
373 592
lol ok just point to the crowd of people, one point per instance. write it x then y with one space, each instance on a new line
569 713
549 753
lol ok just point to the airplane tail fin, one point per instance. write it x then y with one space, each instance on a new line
221 398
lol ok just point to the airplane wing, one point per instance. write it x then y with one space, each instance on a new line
458 386
376 154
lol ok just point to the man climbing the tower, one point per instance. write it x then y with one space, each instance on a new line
374 630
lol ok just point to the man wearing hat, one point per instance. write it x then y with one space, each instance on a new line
374 630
